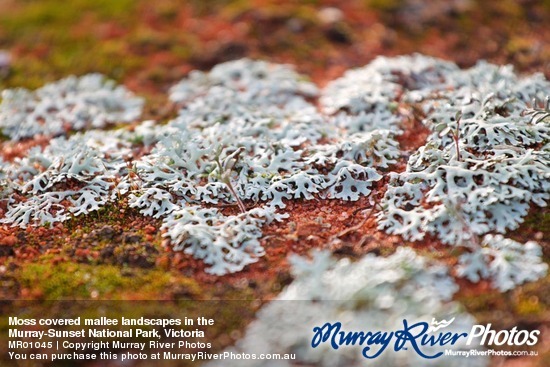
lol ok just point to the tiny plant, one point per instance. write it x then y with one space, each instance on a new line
225 167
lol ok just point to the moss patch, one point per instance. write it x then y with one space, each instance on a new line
44 280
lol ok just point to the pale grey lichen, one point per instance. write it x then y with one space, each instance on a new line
457 199
372 294
490 102
247 132
498 169
70 177
379 84
483 166
251 82
507 263
250 137
225 243
369 97
71 104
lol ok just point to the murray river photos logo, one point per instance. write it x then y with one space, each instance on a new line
418 337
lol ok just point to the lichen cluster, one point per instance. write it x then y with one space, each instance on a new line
372 294
69 177
250 137
483 166
247 136
71 104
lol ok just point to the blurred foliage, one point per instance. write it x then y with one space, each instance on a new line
150 45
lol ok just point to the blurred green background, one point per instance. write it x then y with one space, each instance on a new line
151 44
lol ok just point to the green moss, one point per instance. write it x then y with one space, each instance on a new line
3 137
383 5
36 15
54 40
109 214
539 220
529 306
528 303
81 281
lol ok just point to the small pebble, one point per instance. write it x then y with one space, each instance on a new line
330 15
